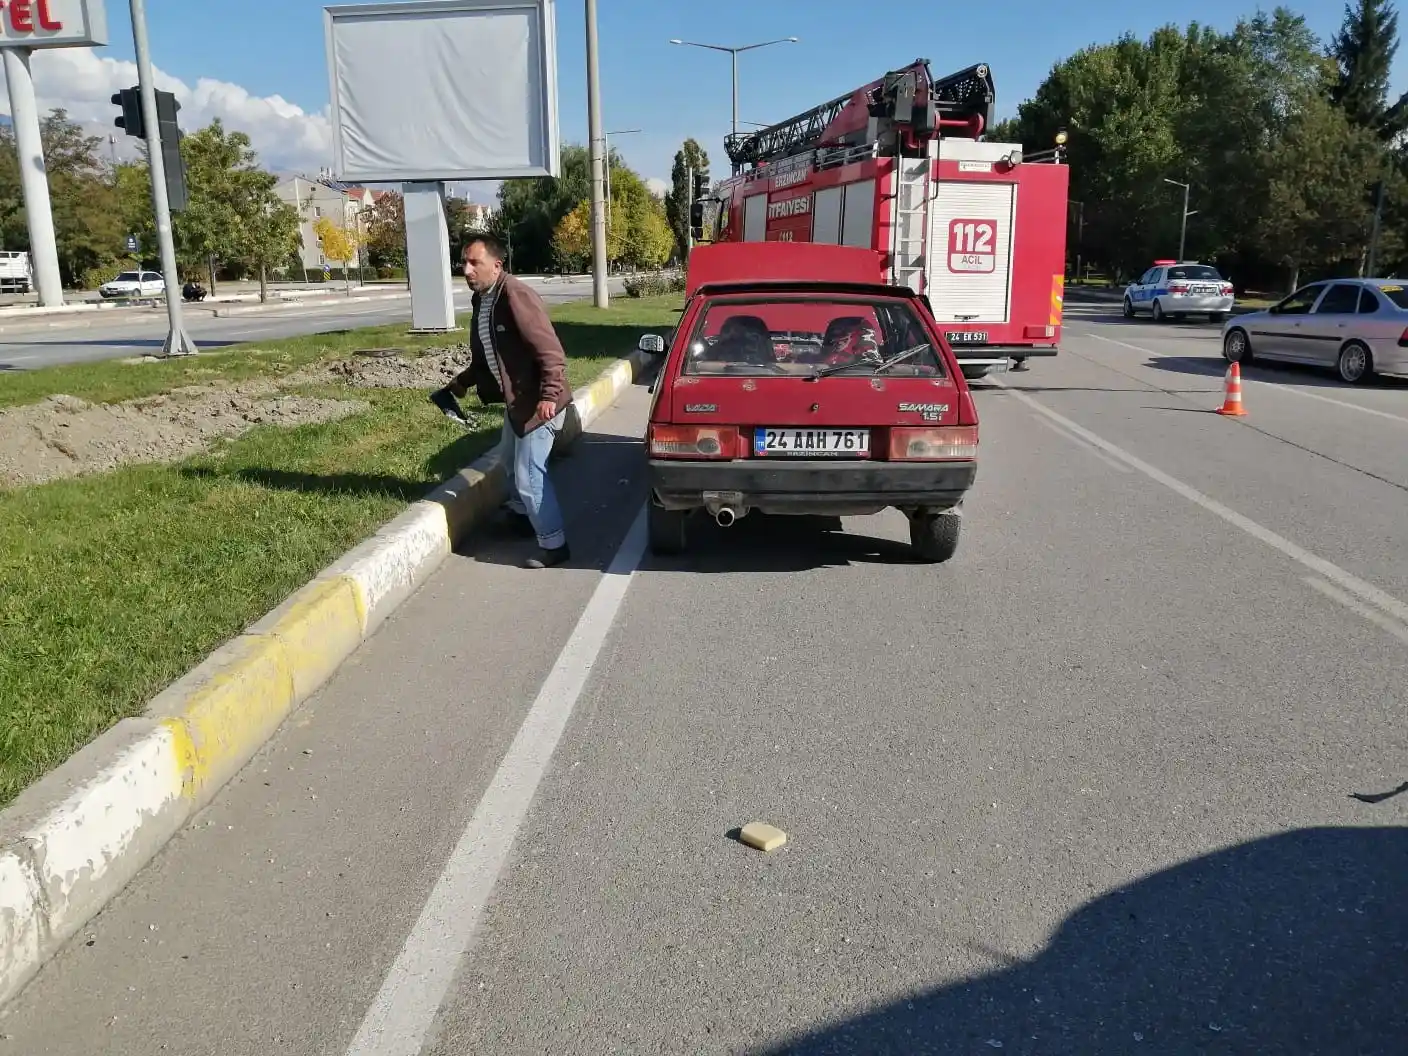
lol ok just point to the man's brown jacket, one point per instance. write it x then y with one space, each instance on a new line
534 365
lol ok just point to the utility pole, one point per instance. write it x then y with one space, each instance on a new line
1183 232
34 178
1080 232
1374 233
178 342
600 293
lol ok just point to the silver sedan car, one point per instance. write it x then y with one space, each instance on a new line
1358 327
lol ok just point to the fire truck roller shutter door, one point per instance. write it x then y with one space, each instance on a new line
826 216
858 216
755 218
970 259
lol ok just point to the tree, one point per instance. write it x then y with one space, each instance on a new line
680 196
1363 52
339 243
386 232
572 240
270 235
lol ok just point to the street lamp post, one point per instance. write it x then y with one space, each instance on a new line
1183 231
600 296
1080 232
734 53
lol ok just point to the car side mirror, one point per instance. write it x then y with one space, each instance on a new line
652 344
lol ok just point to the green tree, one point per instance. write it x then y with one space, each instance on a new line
270 234
679 198
572 240
1363 52
530 210
386 232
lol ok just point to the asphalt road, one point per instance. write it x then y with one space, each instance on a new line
121 332
1087 789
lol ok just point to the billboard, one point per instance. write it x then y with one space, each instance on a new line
53 24
443 90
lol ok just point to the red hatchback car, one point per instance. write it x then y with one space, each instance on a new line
798 382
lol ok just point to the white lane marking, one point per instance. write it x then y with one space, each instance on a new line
410 997
1378 619
1345 580
1287 388
1095 451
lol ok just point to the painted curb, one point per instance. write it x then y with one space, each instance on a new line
74 839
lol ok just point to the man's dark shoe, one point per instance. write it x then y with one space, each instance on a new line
449 406
549 558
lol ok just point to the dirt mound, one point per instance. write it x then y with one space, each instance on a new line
385 369
66 437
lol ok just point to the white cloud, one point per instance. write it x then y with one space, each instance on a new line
657 186
287 137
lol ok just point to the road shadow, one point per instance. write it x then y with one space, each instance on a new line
759 543
1292 944
1315 377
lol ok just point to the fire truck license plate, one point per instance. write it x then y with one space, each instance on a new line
854 443
967 337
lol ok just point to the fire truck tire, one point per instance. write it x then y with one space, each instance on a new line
1128 309
666 530
1159 315
934 536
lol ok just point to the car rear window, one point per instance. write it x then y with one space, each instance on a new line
1397 294
1195 272
799 335
126 276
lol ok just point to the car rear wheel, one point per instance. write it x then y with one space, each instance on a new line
1128 308
934 536
666 530
1159 316
1355 363
1236 348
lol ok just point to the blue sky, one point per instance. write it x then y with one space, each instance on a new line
275 48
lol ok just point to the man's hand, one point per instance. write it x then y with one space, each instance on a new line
547 410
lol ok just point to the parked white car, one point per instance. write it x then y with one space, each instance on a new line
1356 327
134 284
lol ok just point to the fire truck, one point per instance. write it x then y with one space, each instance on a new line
900 166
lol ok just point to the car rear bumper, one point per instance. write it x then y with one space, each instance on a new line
1197 304
820 486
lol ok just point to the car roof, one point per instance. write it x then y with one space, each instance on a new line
807 263
853 289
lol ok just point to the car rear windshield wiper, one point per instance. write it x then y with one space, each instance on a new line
884 364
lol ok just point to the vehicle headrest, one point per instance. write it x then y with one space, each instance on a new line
838 327
737 325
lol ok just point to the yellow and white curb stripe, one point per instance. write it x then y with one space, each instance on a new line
75 838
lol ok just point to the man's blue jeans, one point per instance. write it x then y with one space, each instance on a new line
525 462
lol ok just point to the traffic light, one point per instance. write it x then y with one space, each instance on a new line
170 132
701 185
129 100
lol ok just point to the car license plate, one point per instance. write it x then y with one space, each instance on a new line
829 443
1203 291
967 337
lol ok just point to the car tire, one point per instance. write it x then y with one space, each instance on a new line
666 530
1159 316
1128 308
1355 363
1237 346
934 536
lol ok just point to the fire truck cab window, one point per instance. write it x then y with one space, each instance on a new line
761 337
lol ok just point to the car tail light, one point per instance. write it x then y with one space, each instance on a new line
946 444
1226 289
693 441
1178 287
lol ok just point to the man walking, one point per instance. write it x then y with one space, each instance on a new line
515 350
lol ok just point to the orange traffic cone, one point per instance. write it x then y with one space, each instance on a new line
1232 401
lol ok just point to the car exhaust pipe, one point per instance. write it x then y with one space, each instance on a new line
725 517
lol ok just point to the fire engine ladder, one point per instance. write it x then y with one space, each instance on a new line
911 225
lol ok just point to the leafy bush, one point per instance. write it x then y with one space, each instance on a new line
655 284
95 277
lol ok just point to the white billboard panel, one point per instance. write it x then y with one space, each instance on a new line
443 90
53 23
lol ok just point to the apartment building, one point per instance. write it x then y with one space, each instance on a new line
316 198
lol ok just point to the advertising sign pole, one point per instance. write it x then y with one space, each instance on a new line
178 342
34 178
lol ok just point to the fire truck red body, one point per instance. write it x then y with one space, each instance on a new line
899 166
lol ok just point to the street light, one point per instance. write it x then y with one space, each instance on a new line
606 153
1183 233
734 52
1080 232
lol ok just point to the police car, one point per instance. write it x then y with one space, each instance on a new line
1173 288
